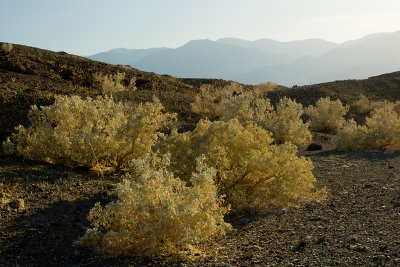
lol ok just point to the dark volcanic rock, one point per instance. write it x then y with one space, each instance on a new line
314 147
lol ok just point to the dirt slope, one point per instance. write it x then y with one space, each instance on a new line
33 76
357 225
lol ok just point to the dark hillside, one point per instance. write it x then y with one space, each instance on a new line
33 76
44 207
382 87
386 86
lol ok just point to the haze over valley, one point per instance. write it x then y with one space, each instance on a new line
287 63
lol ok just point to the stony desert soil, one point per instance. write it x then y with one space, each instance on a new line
358 224
43 207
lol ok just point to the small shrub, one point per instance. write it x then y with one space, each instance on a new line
7 47
365 106
262 89
251 171
381 131
89 132
112 83
208 102
327 115
157 213
285 122
351 137
241 107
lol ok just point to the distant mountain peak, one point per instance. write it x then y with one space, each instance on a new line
287 63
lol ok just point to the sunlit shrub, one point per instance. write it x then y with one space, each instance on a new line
156 212
327 115
208 102
365 106
89 132
251 171
116 82
351 137
262 89
381 131
284 122
7 47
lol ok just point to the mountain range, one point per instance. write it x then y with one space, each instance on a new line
252 62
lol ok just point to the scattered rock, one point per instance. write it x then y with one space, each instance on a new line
320 240
358 248
300 246
314 147
17 204
352 239
248 254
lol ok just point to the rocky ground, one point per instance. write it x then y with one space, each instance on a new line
43 207
358 224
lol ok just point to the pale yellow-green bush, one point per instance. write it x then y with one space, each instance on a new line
365 106
381 131
262 89
111 83
89 132
208 102
251 171
327 115
284 122
351 137
7 47
156 212
243 107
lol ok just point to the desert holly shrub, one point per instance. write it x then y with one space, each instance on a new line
7 47
242 107
208 102
381 131
351 137
89 132
157 213
115 82
262 89
251 171
365 106
284 121
327 115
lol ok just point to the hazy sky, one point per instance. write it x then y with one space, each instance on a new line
86 27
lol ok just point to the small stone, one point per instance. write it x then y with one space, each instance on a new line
17 204
320 240
391 167
358 248
352 239
300 246
248 254
314 147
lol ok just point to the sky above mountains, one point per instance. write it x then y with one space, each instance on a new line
91 26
